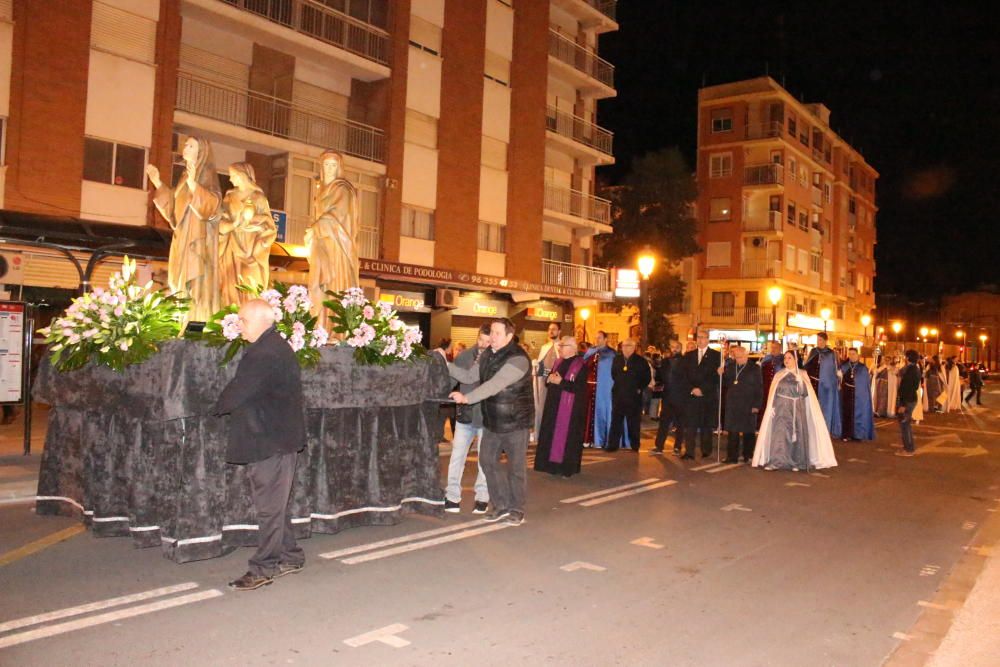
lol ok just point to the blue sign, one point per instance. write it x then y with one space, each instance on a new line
281 222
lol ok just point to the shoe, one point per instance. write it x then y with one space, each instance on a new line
288 568
905 453
770 467
656 451
480 507
514 518
688 457
794 469
249 582
496 515
451 508
677 452
896 445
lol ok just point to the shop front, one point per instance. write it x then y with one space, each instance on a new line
412 306
532 320
474 310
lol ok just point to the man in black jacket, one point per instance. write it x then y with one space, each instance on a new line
266 432
508 401
701 380
631 375
906 400
669 375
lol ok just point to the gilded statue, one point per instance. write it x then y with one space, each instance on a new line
332 239
192 210
246 232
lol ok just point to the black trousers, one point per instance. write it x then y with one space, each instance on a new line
703 436
670 417
977 392
270 487
631 414
733 445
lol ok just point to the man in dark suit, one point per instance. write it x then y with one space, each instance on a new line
701 380
266 432
631 374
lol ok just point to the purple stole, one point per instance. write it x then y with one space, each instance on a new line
557 450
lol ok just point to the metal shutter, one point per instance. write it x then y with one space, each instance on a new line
123 33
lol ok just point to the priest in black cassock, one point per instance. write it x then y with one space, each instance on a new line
631 374
742 380
564 417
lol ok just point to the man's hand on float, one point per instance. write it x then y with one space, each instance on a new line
458 397
696 392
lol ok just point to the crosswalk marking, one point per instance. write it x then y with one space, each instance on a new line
414 546
723 468
625 494
623 487
371 546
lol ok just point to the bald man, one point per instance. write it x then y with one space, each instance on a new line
266 432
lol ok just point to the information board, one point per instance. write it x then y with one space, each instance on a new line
11 351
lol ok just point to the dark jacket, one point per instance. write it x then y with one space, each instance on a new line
469 413
909 382
743 396
702 410
264 401
630 378
676 384
513 408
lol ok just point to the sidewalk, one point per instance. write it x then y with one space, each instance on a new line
19 473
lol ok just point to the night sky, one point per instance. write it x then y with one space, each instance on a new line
914 86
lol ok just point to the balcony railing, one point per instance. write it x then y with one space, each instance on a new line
277 117
581 59
578 204
765 130
579 130
606 7
574 275
325 24
746 315
772 223
764 174
761 268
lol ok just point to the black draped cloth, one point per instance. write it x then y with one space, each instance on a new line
564 419
139 454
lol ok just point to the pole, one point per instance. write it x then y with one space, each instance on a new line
774 322
29 330
723 348
645 312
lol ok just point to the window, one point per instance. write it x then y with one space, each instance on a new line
793 168
417 223
791 213
791 304
425 36
721 165
497 69
804 136
803 221
776 157
852 205
803 260
722 120
494 153
421 129
492 237
116 164
374 12
792 126
557 252
814 262
723 304
840 311
827 193
718 253
721 210
774 203
827 270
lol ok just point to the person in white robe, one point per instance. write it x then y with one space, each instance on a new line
884 387
953 386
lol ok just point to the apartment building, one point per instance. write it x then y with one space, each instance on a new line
468 126
784 202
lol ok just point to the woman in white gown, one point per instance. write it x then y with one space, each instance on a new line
953 386
793 433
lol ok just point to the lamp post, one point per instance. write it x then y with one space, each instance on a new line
585 315
982 350
866 320
825 314
937 340
646 264
774 294
897 326
961 336
923 344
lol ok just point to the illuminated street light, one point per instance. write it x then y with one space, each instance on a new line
646 264
774 294
866 320
825 314
923 343
897 326
585 315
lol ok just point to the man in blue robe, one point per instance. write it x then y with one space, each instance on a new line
824 373
857 421
602 400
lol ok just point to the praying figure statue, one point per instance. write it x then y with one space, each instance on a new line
246 232
332 239
192 210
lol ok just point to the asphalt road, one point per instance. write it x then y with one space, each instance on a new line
676 566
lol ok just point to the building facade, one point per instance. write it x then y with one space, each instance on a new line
468 127
786 203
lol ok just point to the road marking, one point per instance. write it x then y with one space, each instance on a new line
38 545
902 636
588 496
109 617
929 570
856 461
625 494
819 474
796 484
951 606
94 606
737 507
724 468
648 542
386 635
969 525
454 537
937 446
587 462
956 428
985 551
371 546
705 467
581 565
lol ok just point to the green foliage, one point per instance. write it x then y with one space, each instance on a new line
374 330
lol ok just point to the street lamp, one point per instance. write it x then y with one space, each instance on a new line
866 320
897 326
982 351
774 296
937 340
646 264
825 314
961 335
923 334
585 315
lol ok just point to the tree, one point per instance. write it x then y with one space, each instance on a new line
653 208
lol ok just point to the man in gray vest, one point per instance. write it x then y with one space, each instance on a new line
507 400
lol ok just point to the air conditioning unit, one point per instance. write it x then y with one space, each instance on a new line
446 298
757 241
11 268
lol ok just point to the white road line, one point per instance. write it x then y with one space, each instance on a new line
625 494
587 462
395 551
90 621
902 636
706 467
581 565
735 507
386 635
796 484
94 606
588 496
728 466
940 607
371 546
648 542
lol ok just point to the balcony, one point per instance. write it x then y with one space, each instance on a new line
314 19
277 117
593 75
586 139
764 174
576 204
852 255
598 15
761 268
753 316
817 196
579 276
815 237
769 130
772 223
